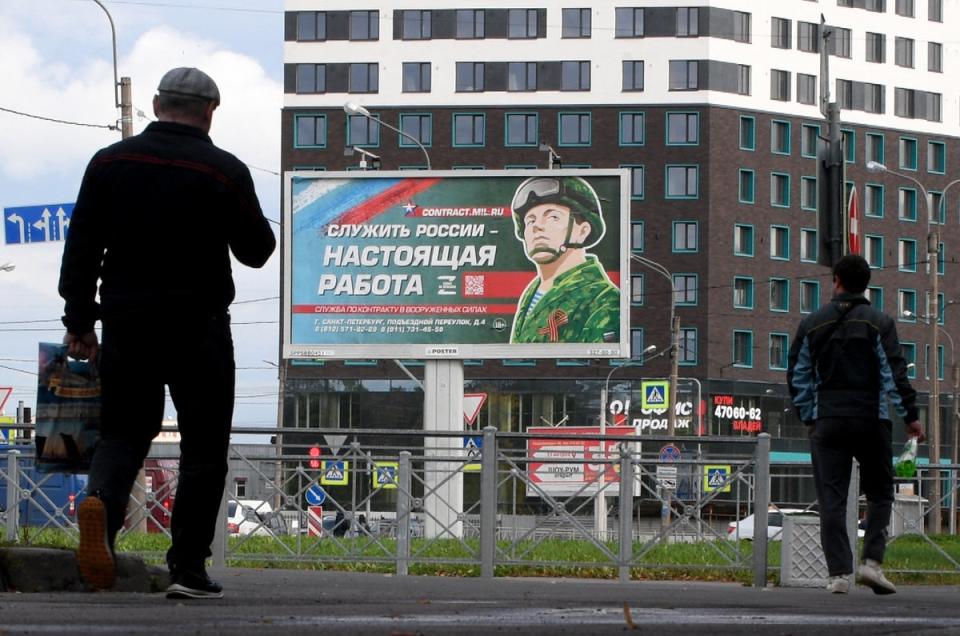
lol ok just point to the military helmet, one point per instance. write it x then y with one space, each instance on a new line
573 192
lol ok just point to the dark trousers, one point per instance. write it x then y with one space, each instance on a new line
194 358
834 442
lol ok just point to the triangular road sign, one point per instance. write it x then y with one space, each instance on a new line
472 403
335 442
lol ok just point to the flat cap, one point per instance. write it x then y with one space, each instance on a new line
191 83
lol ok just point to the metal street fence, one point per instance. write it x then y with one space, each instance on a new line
545 501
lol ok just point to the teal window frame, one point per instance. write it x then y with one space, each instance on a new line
687 115
876 188
572 362
784 299
942 154
903 294
453 132
941 260
909 214
634 227
803 137
637 280
696 236
782 234
296 129
748 349
636 346
879 241
636 169
682 359
360 362
747 189
926 361
875 138
526 115
781 363
753 239
519 362
938 207
903 259
774 176
751 124
849 144
688 276
909 352
875 296
804 205
427 143
804 232
749 303
579 114
912 159
686 166
774 138
634 116
809 284
375 121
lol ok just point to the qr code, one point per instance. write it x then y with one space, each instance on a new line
473 285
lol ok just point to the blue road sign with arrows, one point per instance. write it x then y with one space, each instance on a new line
316 495
37 223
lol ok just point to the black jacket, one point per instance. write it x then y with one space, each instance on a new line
155 221
845 361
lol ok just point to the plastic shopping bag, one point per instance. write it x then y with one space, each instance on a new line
68 411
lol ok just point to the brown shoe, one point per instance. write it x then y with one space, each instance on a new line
94 556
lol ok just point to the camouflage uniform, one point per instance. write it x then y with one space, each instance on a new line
582 306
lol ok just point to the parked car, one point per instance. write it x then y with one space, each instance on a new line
253 516
743 529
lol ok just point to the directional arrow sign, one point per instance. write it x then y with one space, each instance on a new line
37 223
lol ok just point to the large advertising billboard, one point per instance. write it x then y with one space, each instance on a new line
456 264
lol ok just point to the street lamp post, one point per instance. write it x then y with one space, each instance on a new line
122 95
933 252
352 108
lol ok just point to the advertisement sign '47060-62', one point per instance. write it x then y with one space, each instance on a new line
497 264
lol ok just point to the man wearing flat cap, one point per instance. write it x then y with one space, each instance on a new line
156 220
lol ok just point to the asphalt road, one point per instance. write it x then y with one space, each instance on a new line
266 602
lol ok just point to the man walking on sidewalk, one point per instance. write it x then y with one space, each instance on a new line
155 222
845 364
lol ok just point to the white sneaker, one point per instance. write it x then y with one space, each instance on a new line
838 585
872 576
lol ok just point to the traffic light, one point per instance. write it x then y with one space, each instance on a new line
314 453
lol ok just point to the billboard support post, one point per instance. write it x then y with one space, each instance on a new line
443 480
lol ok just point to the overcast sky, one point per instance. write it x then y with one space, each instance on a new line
56 62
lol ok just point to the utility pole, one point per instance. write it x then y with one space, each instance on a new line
126 108
674 373
933 264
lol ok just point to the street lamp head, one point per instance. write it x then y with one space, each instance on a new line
875 166
8 267
353 108
906 313
649 349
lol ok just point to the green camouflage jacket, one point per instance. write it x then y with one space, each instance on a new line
582 306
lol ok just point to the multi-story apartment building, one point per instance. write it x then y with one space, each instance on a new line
713 106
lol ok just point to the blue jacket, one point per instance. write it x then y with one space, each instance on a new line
845 361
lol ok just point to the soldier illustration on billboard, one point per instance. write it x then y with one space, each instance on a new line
571 299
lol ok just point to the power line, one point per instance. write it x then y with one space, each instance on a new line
203 7
59 121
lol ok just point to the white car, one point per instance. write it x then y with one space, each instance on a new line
743 529
251 516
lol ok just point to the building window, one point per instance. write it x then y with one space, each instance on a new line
684 289
629 22
806 88
741 26
469 77
683 129
688 21
636 290
416 77
903 55
632 129
311 26
875 296
780 33
907 255
468 129
311 78
936 157
907 305
809 135
845 94
683 182
873 200
780 190
310 131
808 37
808 193
908 153
938 209
778 351
576 23
522 76
873 250
905 8
873 98
418 126
470 24
877 6
742 292
522 129
935 57
808 245
683 75
780 85
742 348
636 181
909 351
935 10
363 131
684 236
688 347
780 137
574 129
636 236
874 149
416 24
903 103
575 76
907 205
636 345
522 24
849 145
364 78
809 296
840 42
240 488
748 135
779 294
876 48
364 25
779 242
743 79
747 186
633 75
742 240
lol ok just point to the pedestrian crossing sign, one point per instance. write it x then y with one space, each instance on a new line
474 447
655 394
385 475
716 478
335 473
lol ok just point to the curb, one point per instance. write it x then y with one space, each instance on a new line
55 570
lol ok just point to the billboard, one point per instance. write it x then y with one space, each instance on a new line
456 264
552 471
